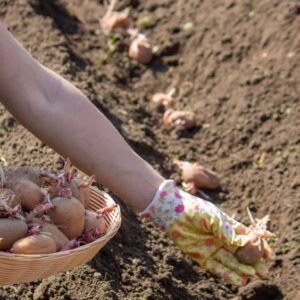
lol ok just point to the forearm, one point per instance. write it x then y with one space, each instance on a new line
61 116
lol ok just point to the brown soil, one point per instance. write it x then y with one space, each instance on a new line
238 70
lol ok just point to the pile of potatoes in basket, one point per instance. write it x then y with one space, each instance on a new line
43 212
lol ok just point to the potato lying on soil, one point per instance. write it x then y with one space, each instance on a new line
28 194
45 227
35 244
11 230
141 50
115 19
164 99
22 173
197 176
176 118
68 215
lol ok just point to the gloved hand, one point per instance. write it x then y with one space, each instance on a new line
205 233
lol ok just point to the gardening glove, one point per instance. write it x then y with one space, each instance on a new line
205 233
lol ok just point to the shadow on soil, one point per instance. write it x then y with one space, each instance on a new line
132 242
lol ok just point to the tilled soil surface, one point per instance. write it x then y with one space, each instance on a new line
236 64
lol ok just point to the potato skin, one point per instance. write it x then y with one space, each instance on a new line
251 253
68 215
60 238
84 195
171 117
35 244
11 230
94 221
74 186
81 193
28 194
77 193
140 50
22 173
53 189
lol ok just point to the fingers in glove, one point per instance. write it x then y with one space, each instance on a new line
184 236
241 233
230 231
225 273
268 252
229 260
238 227
261 269
203 249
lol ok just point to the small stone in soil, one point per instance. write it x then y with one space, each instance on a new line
97 275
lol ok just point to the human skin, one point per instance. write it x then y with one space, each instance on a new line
62 117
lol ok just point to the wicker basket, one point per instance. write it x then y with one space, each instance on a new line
16 268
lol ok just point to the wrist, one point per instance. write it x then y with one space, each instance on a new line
142 183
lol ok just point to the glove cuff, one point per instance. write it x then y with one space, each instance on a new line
165 206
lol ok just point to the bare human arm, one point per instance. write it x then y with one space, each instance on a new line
62 117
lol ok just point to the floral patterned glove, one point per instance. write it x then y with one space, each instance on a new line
205 233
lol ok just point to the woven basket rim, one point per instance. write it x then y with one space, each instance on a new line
111 232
